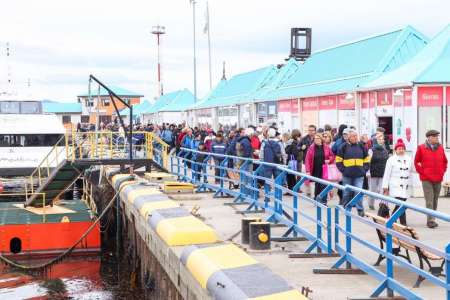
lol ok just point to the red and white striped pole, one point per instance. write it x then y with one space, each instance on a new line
158 31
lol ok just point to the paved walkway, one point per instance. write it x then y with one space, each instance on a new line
298 271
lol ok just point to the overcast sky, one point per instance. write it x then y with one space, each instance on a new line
57 44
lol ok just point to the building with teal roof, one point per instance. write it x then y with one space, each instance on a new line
420 92
255 97
222 105
169 108
69 113
119 91
343 68
98 102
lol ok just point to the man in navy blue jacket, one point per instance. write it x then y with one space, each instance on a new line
218 147
353 161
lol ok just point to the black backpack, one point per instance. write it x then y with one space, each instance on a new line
275 152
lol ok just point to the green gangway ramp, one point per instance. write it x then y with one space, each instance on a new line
61 178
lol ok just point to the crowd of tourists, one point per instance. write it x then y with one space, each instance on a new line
373 162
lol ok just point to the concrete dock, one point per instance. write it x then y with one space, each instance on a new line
225 220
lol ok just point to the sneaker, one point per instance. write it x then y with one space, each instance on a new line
361 213
432 224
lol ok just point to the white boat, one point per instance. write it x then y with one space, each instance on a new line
26 136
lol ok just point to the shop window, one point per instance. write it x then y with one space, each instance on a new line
106 101
66 119
429 118
15 245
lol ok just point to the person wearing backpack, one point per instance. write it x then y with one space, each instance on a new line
318 155
353 161
379 156
270 153
167 136
186 142
294 157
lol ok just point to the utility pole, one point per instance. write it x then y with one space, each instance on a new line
193 2
159 30
207 30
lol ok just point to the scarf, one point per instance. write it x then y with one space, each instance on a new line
432 147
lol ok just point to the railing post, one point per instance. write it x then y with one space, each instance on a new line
329 232
318 225
43 206
66 144
348 224
447 270
278 192
39 175
111 145
48 167
295 200
389 263
336 225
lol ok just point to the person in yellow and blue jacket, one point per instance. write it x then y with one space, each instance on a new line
353 161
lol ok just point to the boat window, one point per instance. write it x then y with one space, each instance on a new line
30 107
29 140
10 107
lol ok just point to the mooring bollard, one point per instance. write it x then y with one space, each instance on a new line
245 228
260 235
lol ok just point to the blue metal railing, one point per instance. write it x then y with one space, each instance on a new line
291 212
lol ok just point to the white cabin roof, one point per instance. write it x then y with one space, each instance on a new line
30 124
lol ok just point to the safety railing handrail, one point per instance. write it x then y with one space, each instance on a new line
390 232
424 210
54 147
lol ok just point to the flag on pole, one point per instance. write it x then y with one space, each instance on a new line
206 28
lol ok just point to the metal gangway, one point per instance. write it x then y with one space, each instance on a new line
77 151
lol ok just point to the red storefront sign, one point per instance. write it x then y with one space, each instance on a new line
327 103
407 96
404 100
430 96
294 106
309 104
284 106
364 100
384 97
344 103
447 94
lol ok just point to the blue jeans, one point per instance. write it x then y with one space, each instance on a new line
269 172
348 195
247 180
200 168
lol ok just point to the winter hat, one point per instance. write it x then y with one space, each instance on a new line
272 133
399 144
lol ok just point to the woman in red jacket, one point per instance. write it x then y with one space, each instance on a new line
318 155
431 164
